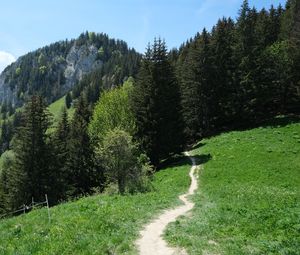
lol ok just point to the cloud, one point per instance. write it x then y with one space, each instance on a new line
5 59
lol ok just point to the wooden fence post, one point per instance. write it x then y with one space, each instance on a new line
49 216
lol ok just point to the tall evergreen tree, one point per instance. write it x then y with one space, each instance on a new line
156 105
80 159
246 53
68 100
224 66
32 152
291 33
60 155
196 87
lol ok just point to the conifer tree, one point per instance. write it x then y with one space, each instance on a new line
291 33
60 155
68 100
156 105
197 88
246 53
32 173
224 68
80 159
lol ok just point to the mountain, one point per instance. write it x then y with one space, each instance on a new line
54 70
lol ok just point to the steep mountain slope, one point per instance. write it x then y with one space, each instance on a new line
53 70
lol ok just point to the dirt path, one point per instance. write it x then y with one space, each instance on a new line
151 242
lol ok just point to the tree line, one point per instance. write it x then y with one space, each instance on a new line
236 75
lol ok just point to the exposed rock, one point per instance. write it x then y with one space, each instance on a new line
80 61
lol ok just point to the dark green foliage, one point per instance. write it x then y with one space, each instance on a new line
6 135
60 155
31 172
156 105
68 100
242 72
195 75
224 85
80 163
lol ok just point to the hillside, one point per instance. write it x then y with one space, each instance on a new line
247 203
54 70
100 224
249 196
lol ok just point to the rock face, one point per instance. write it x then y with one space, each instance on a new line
80 61
6 93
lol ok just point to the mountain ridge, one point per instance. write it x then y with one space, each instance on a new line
55 69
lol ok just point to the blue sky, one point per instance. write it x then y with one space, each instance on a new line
28 25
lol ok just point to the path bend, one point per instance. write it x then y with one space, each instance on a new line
151 241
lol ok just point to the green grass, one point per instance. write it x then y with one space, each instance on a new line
100 224
56 108
249 196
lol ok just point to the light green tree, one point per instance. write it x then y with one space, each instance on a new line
112 111
123 163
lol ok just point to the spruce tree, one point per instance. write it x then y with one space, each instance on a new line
247 69
80 162
32 170
224 67
68 100
60 155
291 34
156 105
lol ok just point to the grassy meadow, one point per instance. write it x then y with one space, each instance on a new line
56 109
249 196
101 224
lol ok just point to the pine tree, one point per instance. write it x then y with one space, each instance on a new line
6 135
80 162
190 97
197 88
32 173
60 156
68 100
224 67
290 33
246 53
156 105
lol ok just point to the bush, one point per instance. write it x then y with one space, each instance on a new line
123 164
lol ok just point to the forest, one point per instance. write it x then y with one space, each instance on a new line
235 76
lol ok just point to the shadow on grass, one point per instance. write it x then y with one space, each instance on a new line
198 145
281 121
180 160
278 121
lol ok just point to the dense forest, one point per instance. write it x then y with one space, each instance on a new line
238 74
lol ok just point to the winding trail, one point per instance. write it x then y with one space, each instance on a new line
150 241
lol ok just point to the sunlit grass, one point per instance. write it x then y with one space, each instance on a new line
100 224
249 196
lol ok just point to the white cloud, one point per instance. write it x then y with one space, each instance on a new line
5 59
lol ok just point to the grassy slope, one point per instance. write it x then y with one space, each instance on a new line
249 196
99 224
56 108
